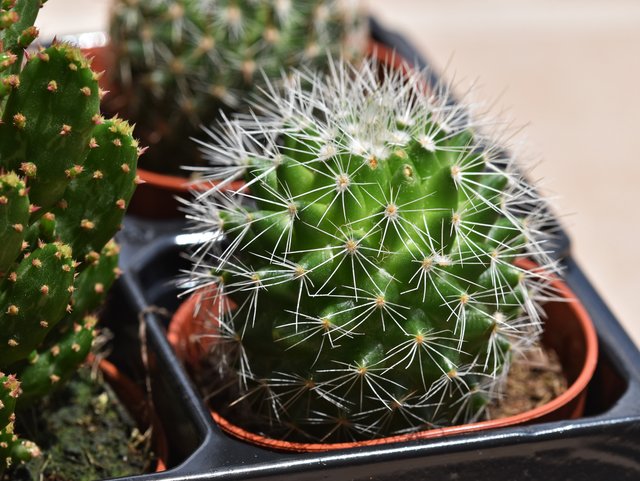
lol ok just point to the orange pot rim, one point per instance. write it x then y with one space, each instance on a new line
181 185
184 314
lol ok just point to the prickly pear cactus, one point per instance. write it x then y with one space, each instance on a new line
180 61
12 448
16 34
67 177
365 282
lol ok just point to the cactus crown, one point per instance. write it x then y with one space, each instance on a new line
67 177
363 283
186 59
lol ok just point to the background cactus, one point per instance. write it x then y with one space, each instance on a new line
365 283
68 175
180 61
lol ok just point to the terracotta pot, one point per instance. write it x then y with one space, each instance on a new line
568 331
157 197
132 397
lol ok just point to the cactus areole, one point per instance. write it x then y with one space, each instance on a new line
363 283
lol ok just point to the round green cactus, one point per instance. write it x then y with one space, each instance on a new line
365 284
184 60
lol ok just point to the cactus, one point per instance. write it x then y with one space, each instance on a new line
366 283
109 173
11 447
16 34
67 177
180 61
56 99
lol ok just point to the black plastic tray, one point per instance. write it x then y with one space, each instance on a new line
604 444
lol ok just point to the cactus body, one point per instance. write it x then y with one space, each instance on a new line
365 285
109 173
94 281
34 298
9 392
186 59
19 31
12 448
16 34
57 363
14 218
54 106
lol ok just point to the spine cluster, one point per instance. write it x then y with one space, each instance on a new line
365 281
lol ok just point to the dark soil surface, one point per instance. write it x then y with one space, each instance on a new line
84 434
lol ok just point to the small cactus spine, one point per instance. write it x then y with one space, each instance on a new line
365 283
186 59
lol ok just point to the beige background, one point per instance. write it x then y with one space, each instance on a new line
570 69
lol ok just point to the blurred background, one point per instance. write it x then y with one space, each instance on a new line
569 71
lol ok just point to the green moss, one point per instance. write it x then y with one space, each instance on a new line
84 433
